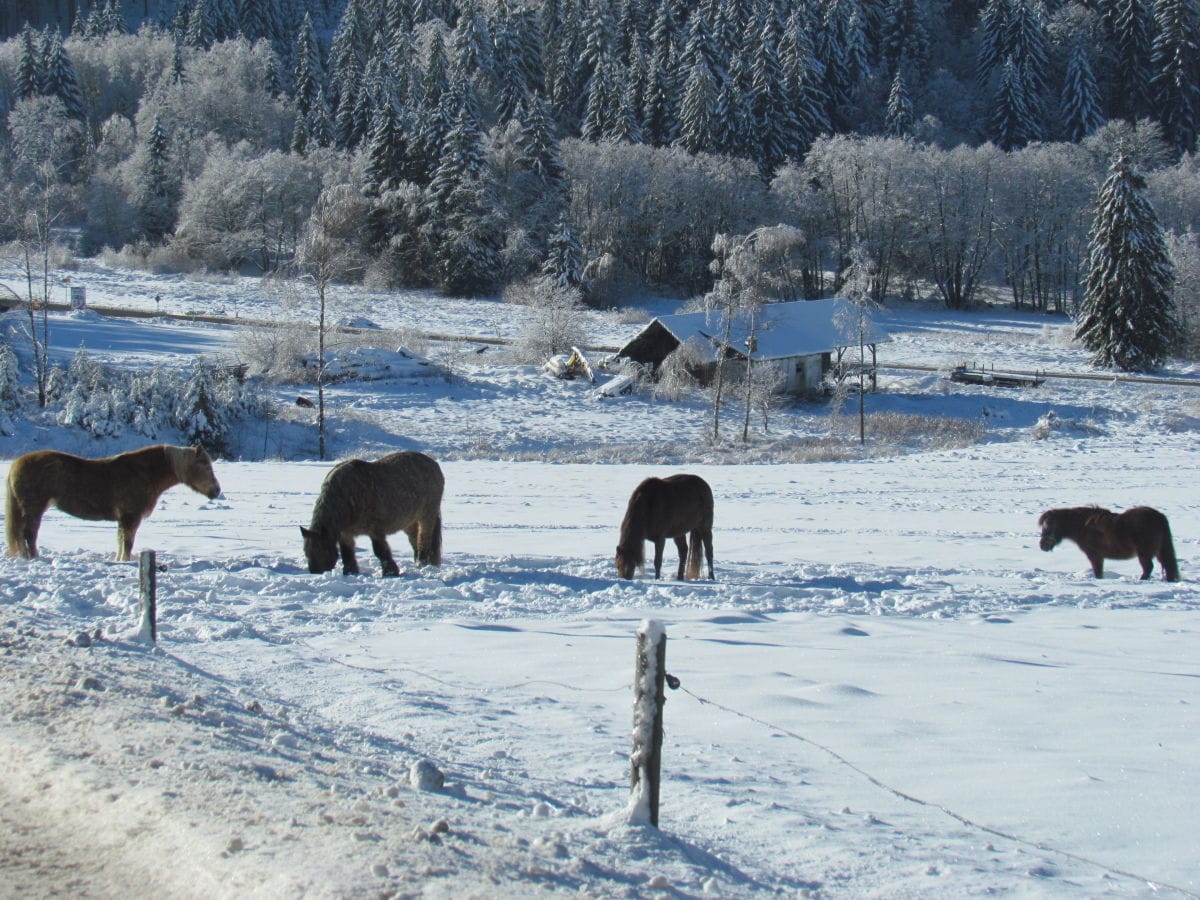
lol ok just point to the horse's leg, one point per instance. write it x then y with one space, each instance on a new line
127 526
1097 562
682 547
414 540
379 544
29 535
659 544
708 553
349 562
1146 558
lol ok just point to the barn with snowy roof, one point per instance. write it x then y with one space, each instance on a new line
803 340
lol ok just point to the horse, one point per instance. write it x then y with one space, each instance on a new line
398 492
122 489
661 508
1101 534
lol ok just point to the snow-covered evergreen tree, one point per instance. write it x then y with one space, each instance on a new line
1131 27
563 267
201 29
1127 318
58 77
1175 61
10 380
899 121
1012 124
29 66
1080 94
905 35
696 125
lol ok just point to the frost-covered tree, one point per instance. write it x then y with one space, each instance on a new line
563 267
157 186
1081 113
1127 317
1175 62
1129 24
1185 254
696 126
59 79
29 66
10 380
1013 123
899 120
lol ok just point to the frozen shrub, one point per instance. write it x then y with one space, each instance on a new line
677 374
10 380
556 322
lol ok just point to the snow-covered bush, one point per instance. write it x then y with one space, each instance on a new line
677 375
211 402
10 380
204 406
556 320
88 398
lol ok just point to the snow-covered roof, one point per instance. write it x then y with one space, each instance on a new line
798 328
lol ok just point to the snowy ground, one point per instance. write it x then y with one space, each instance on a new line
889 691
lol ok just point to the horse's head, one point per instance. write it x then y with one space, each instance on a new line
1051 532
198 473
628 560
320 549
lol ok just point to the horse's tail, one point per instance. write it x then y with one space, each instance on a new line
14 519
431 543
1170 562
695 553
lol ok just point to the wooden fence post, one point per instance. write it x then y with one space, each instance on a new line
650 674
148 582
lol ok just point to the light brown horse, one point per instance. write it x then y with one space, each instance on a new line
122 489
398 492
1101 534
661 508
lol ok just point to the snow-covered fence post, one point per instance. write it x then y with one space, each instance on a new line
148 582
646 759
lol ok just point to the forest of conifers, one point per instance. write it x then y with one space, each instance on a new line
473 144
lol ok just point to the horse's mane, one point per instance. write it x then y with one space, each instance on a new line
632 539
334 506
1079 516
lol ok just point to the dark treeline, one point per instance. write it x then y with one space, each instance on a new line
469 144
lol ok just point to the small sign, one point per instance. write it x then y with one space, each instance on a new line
78 297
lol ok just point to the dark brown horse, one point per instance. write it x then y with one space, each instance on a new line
1142 532
122 489
662 508
399 492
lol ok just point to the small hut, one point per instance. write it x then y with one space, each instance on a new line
802 339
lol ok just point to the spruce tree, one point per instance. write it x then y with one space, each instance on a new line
992 34
201 30
1127 318
1012 123
563 267
1175 61
899 120
1081 95
59 77
696 126
1131 41
29 66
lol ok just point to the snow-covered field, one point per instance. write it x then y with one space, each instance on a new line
889 691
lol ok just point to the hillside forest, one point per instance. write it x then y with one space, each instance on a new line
607 148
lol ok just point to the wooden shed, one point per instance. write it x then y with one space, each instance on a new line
802 339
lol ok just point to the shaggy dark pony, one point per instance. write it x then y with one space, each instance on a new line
122 489
1142 532
398 492
662 508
